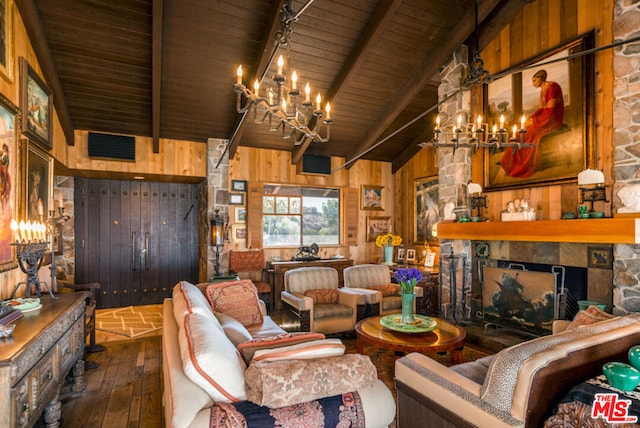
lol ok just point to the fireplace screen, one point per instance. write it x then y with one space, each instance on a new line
519 299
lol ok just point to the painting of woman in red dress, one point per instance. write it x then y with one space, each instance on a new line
525 162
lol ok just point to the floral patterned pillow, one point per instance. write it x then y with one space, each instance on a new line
323 295
238 299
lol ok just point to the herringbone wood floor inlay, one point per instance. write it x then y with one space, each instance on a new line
132 321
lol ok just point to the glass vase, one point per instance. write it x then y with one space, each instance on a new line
407 307
388 255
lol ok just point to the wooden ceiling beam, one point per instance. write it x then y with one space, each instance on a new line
441 55
268 52
31 19
384 12
156 72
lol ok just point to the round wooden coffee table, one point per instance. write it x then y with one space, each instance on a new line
446 337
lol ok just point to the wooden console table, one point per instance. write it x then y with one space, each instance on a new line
277 270
35 359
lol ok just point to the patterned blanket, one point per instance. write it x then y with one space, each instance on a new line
341 411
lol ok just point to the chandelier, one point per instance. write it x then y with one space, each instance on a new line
478 135
281 105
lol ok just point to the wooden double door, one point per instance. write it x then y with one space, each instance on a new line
137 239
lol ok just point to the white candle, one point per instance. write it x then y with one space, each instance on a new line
14 230
328 108
459 121
256 87
40 207
280 65
23 233
60 201
479 120
307 91
495 129
515 129
294 80
522 121
438 122
28 229
239 75
318 101
501 121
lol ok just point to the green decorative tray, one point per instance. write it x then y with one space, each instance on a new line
421 323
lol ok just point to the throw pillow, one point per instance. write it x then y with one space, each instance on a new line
323 295
591 315
238 299
302 351
283 383
386 290
235 331
249 348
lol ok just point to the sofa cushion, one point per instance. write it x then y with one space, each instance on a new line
386 290
323 295
248 348
210 360
238 299
187 298
282 383
591 315
302 351
474 370
234 330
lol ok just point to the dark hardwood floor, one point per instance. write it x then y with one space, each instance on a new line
125 390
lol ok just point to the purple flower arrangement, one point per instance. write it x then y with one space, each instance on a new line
408 278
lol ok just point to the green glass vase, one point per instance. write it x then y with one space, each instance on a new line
407 307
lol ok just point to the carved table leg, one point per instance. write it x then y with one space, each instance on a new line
53 411
79 384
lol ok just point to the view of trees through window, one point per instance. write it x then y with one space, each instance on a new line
295 216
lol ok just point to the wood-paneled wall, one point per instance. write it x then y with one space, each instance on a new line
268 166
542 25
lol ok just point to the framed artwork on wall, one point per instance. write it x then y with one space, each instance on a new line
400 253
371 197
9 181
427 211
239 233
236 198
6 38
238 185
241 215
377 226
36 104
556 98
38 179
411 255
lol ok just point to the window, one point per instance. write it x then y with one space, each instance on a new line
295 216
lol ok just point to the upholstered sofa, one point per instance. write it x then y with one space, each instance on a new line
374 280
231 366
517 387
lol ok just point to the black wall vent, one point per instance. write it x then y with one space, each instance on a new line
110 146
316 164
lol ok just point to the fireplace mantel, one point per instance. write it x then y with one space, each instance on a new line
619 230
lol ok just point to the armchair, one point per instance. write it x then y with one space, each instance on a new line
251 265
313 295
374 280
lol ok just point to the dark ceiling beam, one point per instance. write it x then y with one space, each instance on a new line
32 23
412 87
156 72
268 50
384 12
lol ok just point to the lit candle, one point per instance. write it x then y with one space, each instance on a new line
479 120
14 230
501 121
515 129
495 129
23 233
522 121
307 91
28 231
256 87
284 105
280 65
40 207
438 122
239 75
318 101
328 108
459 121
294 80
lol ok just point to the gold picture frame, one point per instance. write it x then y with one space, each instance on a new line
371 197
427 212
36 104
377 226
10 182
6 35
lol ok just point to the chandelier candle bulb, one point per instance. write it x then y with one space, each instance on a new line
307 91
515 130
294 81
239 75
14 230
522 121
280 65
318 102
256 87
328 109
437 122
501 122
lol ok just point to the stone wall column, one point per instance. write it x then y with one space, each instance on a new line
626 142
454 173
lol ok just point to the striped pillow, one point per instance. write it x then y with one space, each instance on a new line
250 347
302 351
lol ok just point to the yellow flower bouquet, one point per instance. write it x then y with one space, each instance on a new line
388 240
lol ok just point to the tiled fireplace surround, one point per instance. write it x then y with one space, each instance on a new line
618 285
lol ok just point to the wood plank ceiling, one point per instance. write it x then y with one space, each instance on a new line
166 68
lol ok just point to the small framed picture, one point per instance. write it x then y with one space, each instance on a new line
239 233
410 255
236 198
399 254
377 226
371 197
430 259
241 215
238 185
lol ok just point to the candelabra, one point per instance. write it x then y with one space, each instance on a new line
478 135
30 256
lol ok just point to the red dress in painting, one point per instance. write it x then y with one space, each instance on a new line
525 162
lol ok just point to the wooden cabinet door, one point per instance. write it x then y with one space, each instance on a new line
138 239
